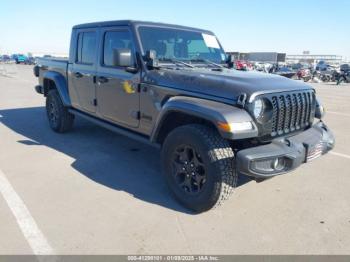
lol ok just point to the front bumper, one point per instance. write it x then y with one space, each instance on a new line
285 154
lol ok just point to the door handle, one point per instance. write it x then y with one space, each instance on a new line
78 75
102 79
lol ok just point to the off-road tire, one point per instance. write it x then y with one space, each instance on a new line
218 161
60 119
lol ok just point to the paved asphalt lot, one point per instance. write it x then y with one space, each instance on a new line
94 192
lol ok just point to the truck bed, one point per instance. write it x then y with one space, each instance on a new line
59 65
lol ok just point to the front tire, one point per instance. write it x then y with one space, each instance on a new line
60 119
199 167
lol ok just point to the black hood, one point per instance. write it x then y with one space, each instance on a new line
227 83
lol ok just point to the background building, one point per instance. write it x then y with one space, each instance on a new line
268 57
332 59
274 57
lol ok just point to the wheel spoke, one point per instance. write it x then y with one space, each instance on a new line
186 154
178 167
183 155
189 184
186 183
197 160
183 183
199 179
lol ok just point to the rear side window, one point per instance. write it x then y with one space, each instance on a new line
86 49
115 40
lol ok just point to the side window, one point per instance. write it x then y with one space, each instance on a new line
79 46
114 40
86 49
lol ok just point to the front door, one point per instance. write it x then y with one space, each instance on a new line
117 90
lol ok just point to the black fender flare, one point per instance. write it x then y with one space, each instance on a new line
212 111
61 86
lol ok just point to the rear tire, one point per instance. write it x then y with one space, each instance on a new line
60 119
199 167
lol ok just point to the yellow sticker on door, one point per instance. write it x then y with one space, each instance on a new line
128 87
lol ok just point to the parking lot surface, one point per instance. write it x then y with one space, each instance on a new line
91 191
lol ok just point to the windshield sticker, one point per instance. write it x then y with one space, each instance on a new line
211 41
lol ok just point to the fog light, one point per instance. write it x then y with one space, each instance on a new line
279 164
271 165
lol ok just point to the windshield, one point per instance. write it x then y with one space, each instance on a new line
182 45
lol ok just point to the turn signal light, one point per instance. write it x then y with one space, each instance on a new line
232 127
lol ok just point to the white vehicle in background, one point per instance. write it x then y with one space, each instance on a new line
262 67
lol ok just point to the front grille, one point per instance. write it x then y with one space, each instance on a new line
291 111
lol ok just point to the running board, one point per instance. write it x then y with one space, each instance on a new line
115 128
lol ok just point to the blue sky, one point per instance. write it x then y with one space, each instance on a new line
320 26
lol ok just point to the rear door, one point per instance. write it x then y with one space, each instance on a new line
84 70
117 90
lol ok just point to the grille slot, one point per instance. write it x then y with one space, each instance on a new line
291 111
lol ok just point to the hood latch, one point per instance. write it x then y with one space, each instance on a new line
241 100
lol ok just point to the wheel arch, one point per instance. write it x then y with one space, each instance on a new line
180 110
54 80
176 118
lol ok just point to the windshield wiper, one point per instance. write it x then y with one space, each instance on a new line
207 61
175 61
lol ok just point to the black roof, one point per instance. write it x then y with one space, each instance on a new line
134 23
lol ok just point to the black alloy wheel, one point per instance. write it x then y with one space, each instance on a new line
188 169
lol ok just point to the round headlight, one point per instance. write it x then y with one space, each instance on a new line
258 108
262 110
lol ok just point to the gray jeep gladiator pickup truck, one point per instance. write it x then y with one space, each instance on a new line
174 87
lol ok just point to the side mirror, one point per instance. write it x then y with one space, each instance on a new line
122 57
151 59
